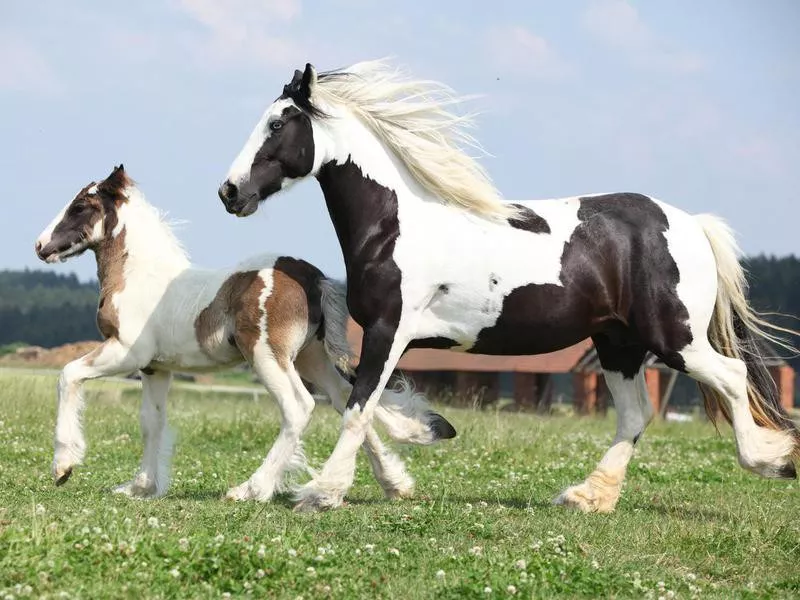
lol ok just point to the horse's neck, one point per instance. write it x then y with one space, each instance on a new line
363 183
142 248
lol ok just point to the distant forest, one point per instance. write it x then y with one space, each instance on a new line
49 309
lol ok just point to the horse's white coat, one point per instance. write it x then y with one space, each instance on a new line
441 244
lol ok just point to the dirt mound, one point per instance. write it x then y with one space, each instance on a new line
35 356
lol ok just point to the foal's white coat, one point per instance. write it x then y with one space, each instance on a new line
157 307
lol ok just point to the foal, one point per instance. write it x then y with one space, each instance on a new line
158 314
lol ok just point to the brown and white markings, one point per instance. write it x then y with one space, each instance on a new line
159 314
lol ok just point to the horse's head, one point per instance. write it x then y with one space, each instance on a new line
85 222
280 150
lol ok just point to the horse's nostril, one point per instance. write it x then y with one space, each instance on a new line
38 247
228 191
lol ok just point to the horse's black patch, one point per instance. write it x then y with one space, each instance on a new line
529 221
619 283
438 342
364 215
147 370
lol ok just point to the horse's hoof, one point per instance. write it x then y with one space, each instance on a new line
577 498
440 427
61 475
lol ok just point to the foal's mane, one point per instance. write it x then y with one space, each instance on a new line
153 227
414 118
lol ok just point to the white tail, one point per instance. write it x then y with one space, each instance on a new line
735 328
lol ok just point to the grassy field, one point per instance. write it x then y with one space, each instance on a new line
690 522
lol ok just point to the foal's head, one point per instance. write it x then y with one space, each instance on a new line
85 222
279 151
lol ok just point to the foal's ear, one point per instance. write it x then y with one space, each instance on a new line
117 180
309 80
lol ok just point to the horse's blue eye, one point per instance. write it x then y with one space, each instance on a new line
275 125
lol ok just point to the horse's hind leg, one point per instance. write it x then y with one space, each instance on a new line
314 365
624 375
761 450
296 404
152 480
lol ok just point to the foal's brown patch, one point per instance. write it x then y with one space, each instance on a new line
235 307
111 257
294 300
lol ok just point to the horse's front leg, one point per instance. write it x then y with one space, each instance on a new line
152 480
381 349
110 358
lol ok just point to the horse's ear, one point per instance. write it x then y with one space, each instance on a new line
309 80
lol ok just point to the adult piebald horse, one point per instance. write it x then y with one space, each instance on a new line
435 259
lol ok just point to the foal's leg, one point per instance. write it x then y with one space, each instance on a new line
296 405
381 349
314 365
152 480
600 491
110 358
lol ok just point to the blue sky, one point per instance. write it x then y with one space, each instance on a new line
693 102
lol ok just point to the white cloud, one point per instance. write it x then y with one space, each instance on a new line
24 68
244 31
618 24
515 49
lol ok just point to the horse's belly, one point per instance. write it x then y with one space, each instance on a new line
529 319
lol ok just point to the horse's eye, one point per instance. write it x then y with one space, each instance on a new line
276 125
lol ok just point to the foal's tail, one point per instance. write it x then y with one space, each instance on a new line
404 413
735 331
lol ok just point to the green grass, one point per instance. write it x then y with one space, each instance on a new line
690 523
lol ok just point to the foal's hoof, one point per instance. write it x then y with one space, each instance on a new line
62 475
311 500
788 471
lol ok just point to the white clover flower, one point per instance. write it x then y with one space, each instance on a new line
394 551
291 552
219 539
175 572
262 551
440 574
476 551
521 565
369 547
276 539
487 590
183 544
153 522
511 589
40 509
311 570
260 574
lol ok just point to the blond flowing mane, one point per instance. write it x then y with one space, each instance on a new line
414 119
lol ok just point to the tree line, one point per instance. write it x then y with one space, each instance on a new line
49 309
